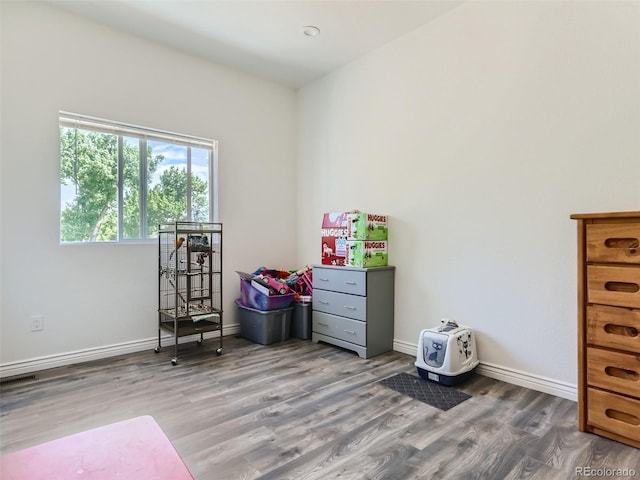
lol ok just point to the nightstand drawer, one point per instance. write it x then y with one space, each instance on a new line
613 243
351 306
615 371
613 327
342 280
342 328
613 413
619 286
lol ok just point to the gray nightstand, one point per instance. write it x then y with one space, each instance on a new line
353 308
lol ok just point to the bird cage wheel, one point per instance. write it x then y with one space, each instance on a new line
174 361
157 349
219 351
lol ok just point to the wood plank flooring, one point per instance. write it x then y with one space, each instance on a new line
299 410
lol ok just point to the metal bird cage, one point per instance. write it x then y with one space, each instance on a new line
189 281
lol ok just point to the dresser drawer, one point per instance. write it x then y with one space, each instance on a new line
342 328
342 304
618 286
615 371
617 243
342 280
614 413
613 327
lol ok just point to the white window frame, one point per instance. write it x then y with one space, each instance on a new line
74 120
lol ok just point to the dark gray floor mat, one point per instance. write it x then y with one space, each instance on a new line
432 393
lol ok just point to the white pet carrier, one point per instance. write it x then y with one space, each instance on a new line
447 354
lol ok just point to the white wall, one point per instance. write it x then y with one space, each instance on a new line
479 134
96 296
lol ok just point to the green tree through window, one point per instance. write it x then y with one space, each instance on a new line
118 186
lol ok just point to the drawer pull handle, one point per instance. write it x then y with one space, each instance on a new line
630 243
350 283
324 279
351 332
626 287
324 302
622 373
621 330
622 416
348 307
323 324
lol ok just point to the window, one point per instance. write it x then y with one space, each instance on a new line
118 182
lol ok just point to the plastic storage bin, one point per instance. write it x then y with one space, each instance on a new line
301 323
254 298
264 327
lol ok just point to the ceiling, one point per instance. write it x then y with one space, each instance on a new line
265 38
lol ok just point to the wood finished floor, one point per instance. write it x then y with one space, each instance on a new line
299 410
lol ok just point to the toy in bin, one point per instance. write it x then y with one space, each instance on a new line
271 285
447 354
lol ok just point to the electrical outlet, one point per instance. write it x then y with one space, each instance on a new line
37 323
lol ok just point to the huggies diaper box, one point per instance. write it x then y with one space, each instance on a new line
366 226
354 239
366 253
334 238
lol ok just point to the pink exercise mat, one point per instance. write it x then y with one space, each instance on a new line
128 450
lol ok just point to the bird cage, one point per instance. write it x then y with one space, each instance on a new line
189 281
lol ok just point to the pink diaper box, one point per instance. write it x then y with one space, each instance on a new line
334 238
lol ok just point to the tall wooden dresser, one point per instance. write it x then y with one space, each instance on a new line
609 325
353 308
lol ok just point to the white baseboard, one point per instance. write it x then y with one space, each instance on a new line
24 367
509 375
405 347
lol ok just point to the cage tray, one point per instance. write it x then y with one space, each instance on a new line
194 309
187 327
